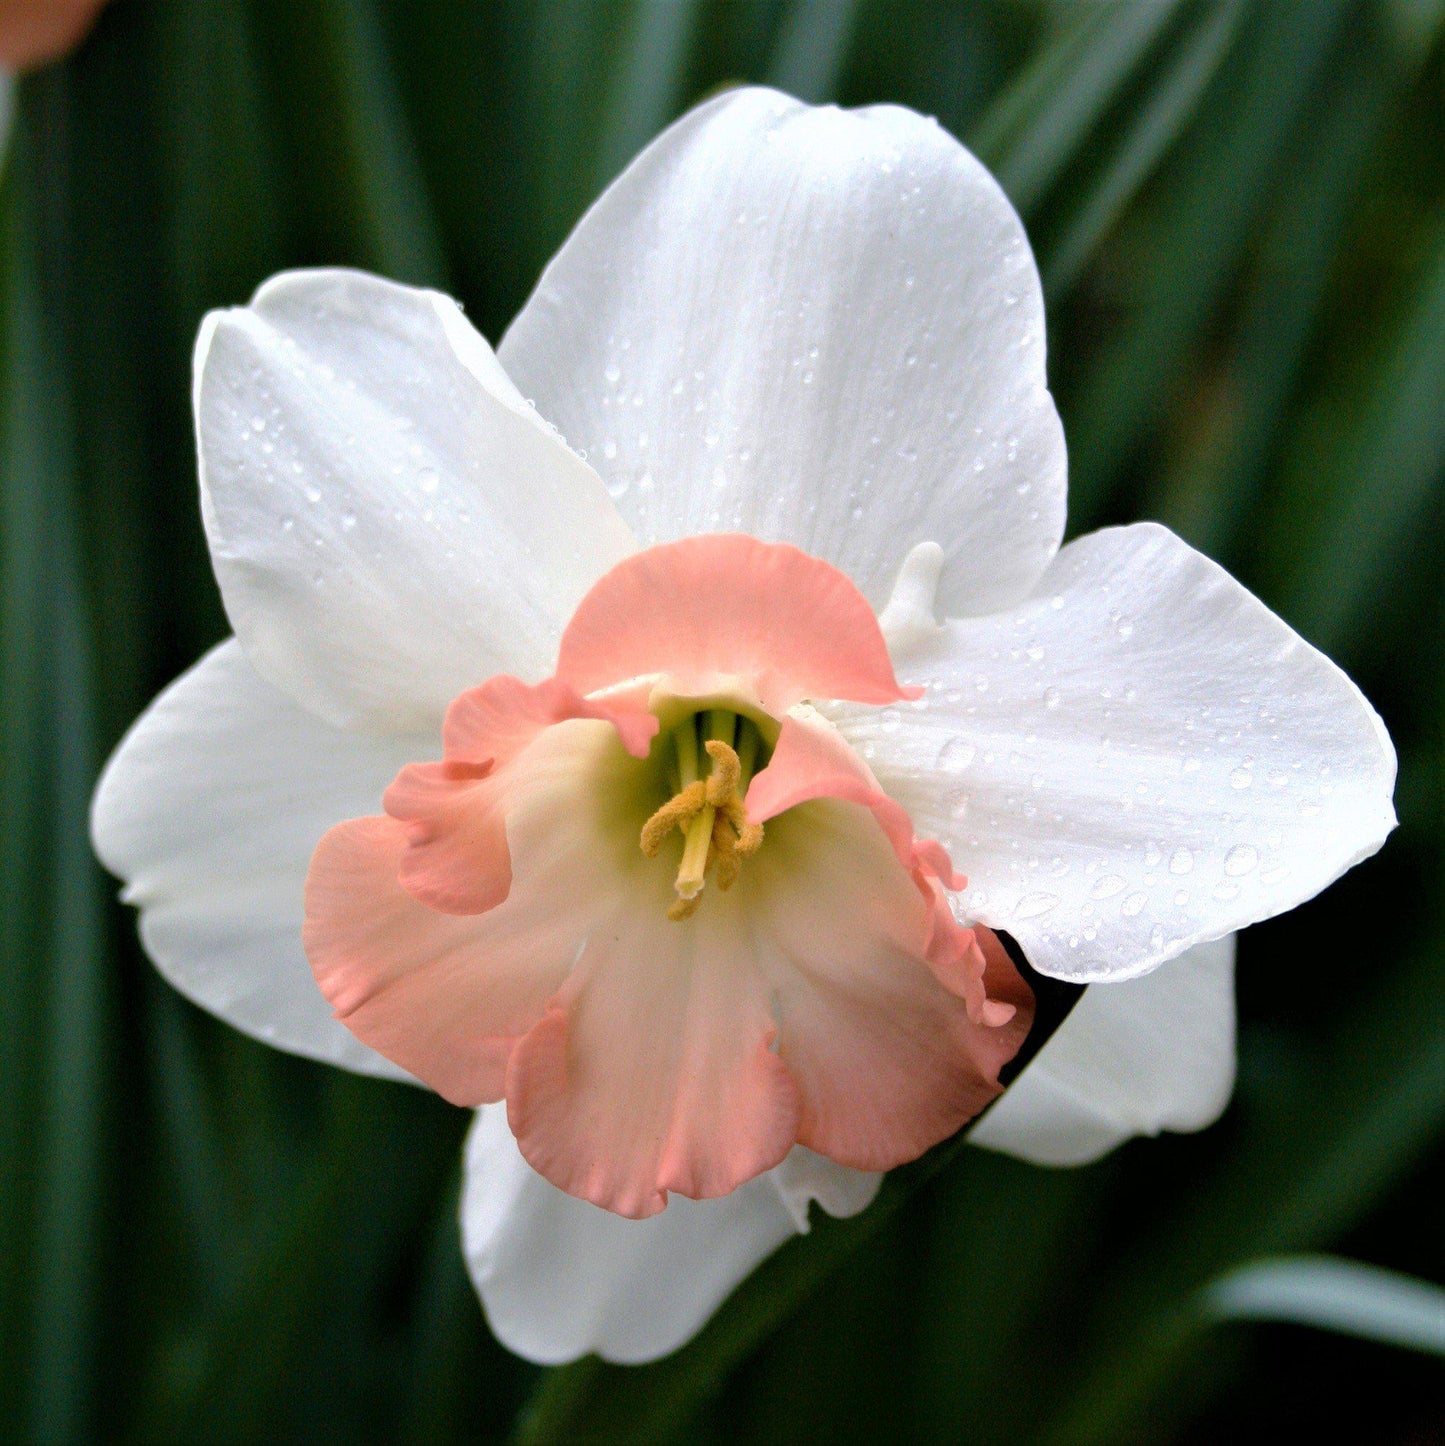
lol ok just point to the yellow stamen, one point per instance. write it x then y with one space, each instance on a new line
709 812
677 812
725 854
722 782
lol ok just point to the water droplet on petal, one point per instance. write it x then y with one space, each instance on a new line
955 755
1134 904
1181 861
1108 886
428 480
1240 860
1031 906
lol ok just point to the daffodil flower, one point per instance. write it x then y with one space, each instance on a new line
626 785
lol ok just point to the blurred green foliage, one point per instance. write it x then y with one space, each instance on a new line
1239 211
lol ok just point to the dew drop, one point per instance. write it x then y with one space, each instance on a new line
1108 886
1156 938
955 755
348 521
1181 861
1134 904
1240 860
428 480
1052 698
1031 906
1241 778
258 424
1225 890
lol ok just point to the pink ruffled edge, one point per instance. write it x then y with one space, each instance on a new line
811 760
456 859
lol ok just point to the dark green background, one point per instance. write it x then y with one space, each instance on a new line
1239 212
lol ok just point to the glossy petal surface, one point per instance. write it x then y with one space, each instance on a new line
389 521
561 1278
1134 1058
1139 758
816 326
209 810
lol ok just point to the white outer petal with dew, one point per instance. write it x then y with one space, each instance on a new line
560 1278
817 326
1133 1058
210 809
1137 758
390 522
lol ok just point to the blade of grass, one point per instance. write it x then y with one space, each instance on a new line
648 90
1302 1176
811 49
1336 1295
1383 473
1208 499
55 998
1031 133
1205 218
1150 134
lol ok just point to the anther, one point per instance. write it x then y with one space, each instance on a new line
709 812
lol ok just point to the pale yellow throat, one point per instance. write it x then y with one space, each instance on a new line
708 810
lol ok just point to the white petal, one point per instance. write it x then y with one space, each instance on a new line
389 521
822 327
209 811
1132 1058
1138 758
560 1278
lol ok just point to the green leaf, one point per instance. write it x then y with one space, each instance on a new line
1149 134
812 49
1383 473
1298 1178
1210 496
1044 119
1212 200
54 996
1337 1295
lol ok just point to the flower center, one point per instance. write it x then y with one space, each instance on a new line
707 806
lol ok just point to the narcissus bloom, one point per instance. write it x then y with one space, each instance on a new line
625 785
